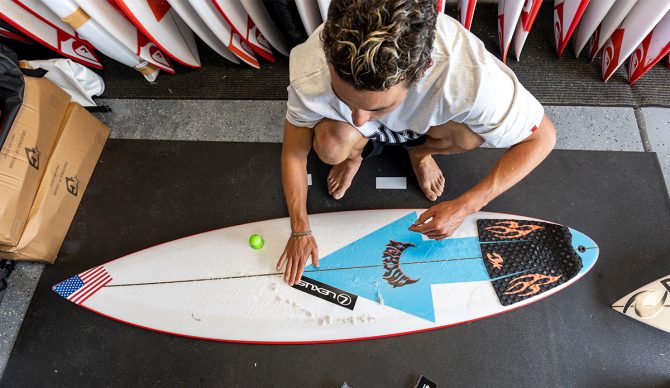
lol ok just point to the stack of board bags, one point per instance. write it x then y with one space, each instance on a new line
145 34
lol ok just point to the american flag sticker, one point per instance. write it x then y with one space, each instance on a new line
81 287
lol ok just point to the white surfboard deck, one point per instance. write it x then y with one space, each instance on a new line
652 49
214 286
90 30
593 16
323 7
39 29
649 304
465 9
309 14
193 20
509 12
610 23
639 22
160 23
262 19
238 18
223 30
115 22
528 14
567 14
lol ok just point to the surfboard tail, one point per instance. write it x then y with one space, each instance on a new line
653 48
567 14
528 14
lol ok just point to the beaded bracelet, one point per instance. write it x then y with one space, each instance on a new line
301 234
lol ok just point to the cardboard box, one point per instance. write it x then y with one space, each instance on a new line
24 154
80 143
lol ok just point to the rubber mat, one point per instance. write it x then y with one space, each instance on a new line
147 192
564 81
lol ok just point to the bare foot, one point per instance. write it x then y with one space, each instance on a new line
341 175
428 174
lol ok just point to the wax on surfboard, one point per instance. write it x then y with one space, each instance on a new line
238 18
594 14
259 14
193 20
567 14
375 279
639 22
223 30
466 10
57 36
528 14
612 20
509 12
112 19
652 49
309 14
160 23
89 29
649 304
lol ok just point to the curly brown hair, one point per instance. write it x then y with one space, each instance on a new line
375 44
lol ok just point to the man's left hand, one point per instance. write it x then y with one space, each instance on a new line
441 220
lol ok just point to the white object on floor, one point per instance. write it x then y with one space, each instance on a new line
77 80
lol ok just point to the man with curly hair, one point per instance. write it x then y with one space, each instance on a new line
381 72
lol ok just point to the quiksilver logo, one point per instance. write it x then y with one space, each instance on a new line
33 155
72 185
327 293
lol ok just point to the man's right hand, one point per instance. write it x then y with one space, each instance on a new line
297 250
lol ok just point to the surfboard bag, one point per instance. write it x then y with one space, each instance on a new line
11 90
526 258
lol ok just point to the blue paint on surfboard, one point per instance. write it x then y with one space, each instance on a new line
358 267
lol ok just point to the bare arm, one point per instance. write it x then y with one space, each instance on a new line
512 167
296 147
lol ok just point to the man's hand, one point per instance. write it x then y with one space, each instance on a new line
297 250
441 221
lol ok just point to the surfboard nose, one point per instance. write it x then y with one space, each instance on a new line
586 248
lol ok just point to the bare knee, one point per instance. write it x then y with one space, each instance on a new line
333 141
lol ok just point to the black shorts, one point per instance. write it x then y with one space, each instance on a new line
374 147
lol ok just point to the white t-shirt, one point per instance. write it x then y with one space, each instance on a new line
465 83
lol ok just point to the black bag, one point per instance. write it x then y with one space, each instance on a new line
11 90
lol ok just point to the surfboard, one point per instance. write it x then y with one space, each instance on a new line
222 29
89 29
610 23
649 304
238 18
48 30
639 22
285 14
594 14
509 12
112 19
466 10
375 279
309 14
160 23
265 24
191 18
9 32
323 7
528 14
652 49
567 14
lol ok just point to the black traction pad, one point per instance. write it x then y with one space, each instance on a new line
526 258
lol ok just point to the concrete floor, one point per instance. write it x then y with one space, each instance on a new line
582 128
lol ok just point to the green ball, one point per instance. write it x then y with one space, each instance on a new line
256 241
